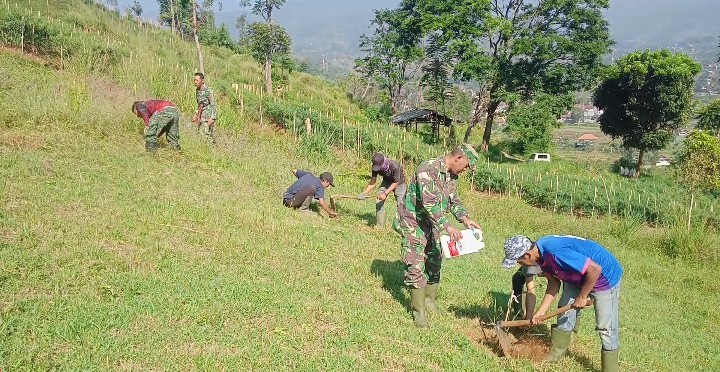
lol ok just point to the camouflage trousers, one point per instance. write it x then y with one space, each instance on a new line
167 122
207 130
422 255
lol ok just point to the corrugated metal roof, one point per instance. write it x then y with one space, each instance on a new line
421 115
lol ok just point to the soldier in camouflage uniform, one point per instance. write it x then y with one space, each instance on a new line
206 113
432 192
159 117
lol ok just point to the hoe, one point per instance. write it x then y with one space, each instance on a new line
339 197
502 336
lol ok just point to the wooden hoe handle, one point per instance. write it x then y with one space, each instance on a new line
525 322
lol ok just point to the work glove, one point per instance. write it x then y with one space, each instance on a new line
362 196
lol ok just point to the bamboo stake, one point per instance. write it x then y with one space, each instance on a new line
557 189
692 201
607 195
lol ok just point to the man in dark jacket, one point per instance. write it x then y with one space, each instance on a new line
393 181
307 188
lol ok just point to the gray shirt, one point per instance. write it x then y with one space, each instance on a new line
394 174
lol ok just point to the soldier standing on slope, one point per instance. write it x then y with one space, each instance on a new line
206 113
432 192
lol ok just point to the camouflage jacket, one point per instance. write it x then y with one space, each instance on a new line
432 192
206 104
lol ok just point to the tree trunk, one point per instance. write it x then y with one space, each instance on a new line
197 41
393 100
268 74
173 29
367 89
476 117
639 163
268 57
492 107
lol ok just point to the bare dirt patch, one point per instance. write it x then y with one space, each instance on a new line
29 54
21 141
525 344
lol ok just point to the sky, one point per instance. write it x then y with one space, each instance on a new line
634 24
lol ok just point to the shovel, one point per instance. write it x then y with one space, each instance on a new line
502 336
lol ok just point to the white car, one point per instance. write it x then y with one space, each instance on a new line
539 156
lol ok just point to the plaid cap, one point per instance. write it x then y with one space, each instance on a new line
471 154
515 247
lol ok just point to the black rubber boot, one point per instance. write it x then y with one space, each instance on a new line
518 285
610 361
560 344
151 146
417 303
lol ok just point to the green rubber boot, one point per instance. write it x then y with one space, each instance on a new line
417 303
380 218
430 295
560 343
610 362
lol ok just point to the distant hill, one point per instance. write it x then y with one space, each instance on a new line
331 28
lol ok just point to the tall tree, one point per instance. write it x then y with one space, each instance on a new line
645 96
243 29
136 9
392 51
436 72
520 46
265 9
268 40
178 15
195 34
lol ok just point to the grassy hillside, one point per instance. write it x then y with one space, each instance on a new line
111 259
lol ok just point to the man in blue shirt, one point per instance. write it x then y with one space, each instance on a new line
586 269
308 187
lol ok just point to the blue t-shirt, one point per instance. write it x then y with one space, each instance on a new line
305 179
568 257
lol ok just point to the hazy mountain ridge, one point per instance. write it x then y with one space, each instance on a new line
331 29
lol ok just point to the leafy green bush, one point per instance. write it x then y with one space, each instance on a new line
695 242
570 190
33 34
364 139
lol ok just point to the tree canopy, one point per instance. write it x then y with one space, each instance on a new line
520 46
531 123
645 96
270 37
709 117
264 39
699 162
391 52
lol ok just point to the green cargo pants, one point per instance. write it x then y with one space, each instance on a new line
166 121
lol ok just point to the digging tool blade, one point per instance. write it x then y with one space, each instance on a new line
503 339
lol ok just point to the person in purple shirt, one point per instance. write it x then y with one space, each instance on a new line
586 270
